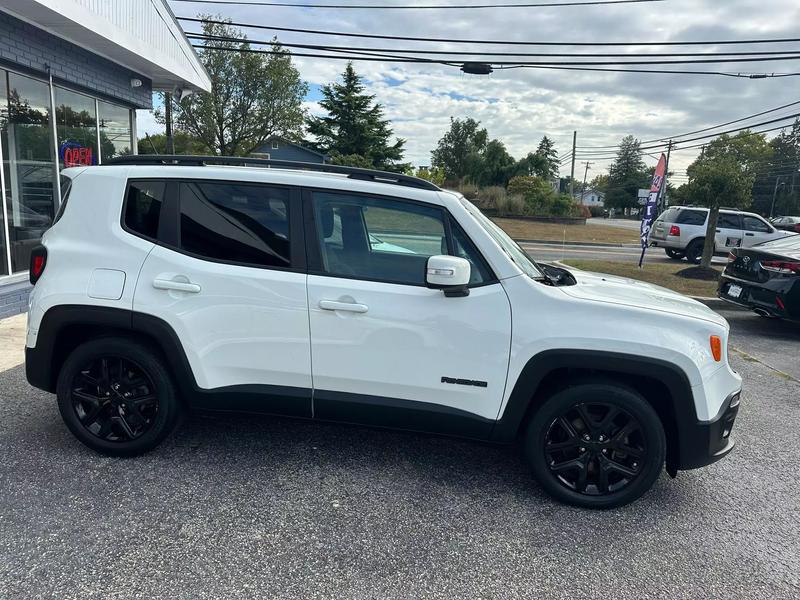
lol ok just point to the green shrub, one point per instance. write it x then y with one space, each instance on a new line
490 197
597 211
469 191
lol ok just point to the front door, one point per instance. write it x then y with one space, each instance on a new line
386 350
757 230
229 278
729 232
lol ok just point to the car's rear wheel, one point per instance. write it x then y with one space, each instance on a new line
596 445
694 251
116 397
674 254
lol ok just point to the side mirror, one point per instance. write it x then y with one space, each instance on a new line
448 273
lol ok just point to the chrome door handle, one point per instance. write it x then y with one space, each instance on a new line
343 306
178 286
749 234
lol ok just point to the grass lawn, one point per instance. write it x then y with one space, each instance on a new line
658 273
532 230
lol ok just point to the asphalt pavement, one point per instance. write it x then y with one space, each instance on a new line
244 507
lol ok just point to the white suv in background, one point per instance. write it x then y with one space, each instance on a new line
681 231
350 295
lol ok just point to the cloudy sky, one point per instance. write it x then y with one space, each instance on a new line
520 106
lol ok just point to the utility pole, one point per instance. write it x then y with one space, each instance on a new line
775 194
585 174
572 171
170 146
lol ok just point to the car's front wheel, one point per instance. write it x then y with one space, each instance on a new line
596 445
116 397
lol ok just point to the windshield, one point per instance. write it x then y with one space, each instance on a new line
517 255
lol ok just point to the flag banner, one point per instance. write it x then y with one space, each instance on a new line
649 210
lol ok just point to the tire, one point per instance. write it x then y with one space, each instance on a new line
116 397
694 251
674 254
625 456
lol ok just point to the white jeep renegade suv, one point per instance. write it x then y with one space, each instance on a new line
363 297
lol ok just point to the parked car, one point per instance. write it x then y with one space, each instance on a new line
765 278
787 223
358 296
681 231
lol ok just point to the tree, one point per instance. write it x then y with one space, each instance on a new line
548 164
185 143
459 150
627 175
777 179
433 174
253 96
724 174
494 166
355 126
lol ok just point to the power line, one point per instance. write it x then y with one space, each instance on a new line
500 42
657 71
206 37
504 63
421 6
665 138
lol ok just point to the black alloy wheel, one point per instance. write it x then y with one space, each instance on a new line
596 444
595 448
116 396
114 399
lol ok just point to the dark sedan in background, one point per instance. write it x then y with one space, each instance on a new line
787 223
765 278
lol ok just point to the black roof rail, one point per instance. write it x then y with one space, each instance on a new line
245 161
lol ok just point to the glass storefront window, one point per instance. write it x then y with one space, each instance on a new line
31 157
29 167
76 128
115 130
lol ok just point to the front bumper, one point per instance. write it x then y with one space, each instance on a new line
706 442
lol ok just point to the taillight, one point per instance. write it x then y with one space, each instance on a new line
781 266
731 257
38 263
675 230
797 227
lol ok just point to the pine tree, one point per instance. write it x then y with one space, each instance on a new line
547 159
627 175
355 131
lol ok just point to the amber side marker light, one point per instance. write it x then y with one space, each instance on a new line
716 347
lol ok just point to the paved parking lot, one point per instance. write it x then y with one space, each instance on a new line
254 507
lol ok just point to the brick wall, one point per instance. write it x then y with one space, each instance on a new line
32 48
14 298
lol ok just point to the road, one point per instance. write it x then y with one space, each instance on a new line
623 223
244 507
556 251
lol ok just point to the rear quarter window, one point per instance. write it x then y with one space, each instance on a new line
692 217
143 207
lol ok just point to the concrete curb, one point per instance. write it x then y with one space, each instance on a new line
559 244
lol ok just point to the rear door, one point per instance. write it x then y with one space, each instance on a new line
386 349
228 276
729 231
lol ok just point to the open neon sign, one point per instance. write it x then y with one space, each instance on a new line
74 155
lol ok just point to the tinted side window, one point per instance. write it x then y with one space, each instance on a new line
143 207
753 224
729 221
235 222
376 238
692 217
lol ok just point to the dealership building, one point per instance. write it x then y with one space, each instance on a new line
72 74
